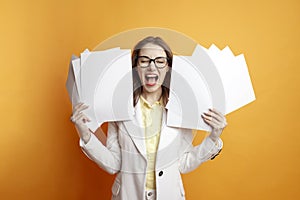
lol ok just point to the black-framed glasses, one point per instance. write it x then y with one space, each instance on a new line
145 61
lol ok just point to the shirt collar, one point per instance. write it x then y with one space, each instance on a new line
147 104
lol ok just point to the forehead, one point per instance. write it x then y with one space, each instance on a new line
152 51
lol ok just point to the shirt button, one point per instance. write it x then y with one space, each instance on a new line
160 173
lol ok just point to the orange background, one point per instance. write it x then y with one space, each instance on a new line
40 156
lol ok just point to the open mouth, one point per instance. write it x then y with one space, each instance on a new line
151 79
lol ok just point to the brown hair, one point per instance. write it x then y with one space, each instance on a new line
137 86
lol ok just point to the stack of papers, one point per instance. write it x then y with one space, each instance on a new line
210 78
235 77
103 81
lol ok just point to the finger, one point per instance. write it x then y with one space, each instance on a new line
206 116
82 117
72 119
77 105
210 122
213 116
218 116
218 113
79 118
80 108
75 115
215 111
213 123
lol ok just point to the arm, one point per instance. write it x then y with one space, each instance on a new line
209 148
196 155
107 157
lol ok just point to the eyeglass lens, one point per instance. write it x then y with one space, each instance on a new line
144 61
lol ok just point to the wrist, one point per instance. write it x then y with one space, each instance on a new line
215 133
86 137
213 138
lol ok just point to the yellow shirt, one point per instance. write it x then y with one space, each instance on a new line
152 117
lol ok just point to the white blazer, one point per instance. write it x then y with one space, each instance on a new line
125 154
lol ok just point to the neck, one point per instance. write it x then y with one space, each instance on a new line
152 97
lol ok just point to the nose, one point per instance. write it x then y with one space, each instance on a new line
152 66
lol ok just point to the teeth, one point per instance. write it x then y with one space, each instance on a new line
151 76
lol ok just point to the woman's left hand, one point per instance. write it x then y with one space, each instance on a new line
216 121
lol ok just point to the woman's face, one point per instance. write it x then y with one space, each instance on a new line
152 77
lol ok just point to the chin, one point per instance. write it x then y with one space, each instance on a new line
151 89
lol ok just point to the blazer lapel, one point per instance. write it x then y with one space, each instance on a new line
167 134
135 129
167 151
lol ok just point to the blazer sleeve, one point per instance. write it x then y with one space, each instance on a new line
107 157
196 155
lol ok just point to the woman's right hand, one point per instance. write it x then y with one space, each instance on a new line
79 120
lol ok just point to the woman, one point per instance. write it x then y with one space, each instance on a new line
147 155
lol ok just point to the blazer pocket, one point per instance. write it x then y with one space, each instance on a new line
116 188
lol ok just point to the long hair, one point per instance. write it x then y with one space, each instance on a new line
137 85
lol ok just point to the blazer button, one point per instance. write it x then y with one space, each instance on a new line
160 173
